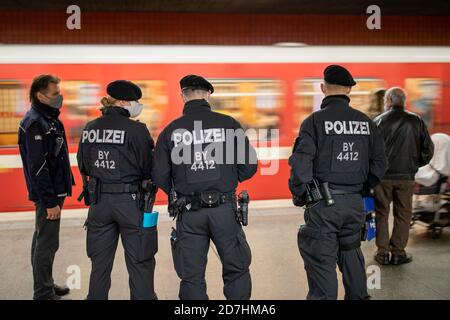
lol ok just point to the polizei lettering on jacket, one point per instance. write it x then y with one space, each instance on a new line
347 127
198 136
103 136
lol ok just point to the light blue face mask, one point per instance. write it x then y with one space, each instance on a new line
135 108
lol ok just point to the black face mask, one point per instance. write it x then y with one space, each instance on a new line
56 102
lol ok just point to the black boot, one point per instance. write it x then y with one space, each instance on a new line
61 290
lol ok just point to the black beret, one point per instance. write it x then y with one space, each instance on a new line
335 74
124 90
195 82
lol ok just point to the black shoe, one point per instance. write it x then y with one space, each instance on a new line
401 259
382 258
61 291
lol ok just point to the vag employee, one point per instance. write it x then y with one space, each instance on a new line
199 160
338 154
45 157
115 159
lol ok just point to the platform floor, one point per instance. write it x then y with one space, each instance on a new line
277 268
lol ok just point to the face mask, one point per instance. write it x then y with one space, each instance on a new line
56 102
135 108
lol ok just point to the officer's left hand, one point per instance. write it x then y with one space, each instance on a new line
298 201
54 213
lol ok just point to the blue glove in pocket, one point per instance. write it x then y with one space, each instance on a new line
150 219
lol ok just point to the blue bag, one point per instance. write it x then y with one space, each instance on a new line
370 227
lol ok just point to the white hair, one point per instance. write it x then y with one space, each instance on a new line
396 95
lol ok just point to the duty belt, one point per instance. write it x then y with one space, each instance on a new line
119 188
207 199
339 192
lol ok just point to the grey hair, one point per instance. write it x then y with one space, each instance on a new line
396 95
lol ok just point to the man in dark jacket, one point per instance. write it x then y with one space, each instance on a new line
408 147
45 157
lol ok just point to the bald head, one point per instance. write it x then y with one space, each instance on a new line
395 96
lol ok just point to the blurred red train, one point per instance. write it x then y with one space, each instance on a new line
271 89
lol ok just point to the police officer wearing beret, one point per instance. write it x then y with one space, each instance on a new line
195 163
115 152
342 149
45 157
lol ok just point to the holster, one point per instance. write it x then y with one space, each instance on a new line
93 190
85 193
242 211
176 208
147 195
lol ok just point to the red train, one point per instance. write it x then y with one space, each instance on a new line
271 89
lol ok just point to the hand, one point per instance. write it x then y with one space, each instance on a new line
298 201
54 213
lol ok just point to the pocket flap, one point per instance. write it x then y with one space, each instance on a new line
210 198
311 232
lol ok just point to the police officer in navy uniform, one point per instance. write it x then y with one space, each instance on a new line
343 148
115 152
195 158
49 179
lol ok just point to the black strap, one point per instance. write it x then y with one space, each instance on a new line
119 188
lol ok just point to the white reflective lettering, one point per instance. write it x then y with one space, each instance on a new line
85 136
347 127
104 136
328 126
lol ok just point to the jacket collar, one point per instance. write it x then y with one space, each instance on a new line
45 110
339 98
397 107
115 111
196 106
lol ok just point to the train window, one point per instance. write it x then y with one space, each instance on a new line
255 103
81 104
155 101
424 95
12 109
308 96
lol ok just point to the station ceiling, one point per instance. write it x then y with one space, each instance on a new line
333 7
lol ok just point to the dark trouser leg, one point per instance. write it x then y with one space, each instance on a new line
318 247
190 255
43 250
101 245
350 258
402 208
320 268
383 199
140 246
234 252
352 265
